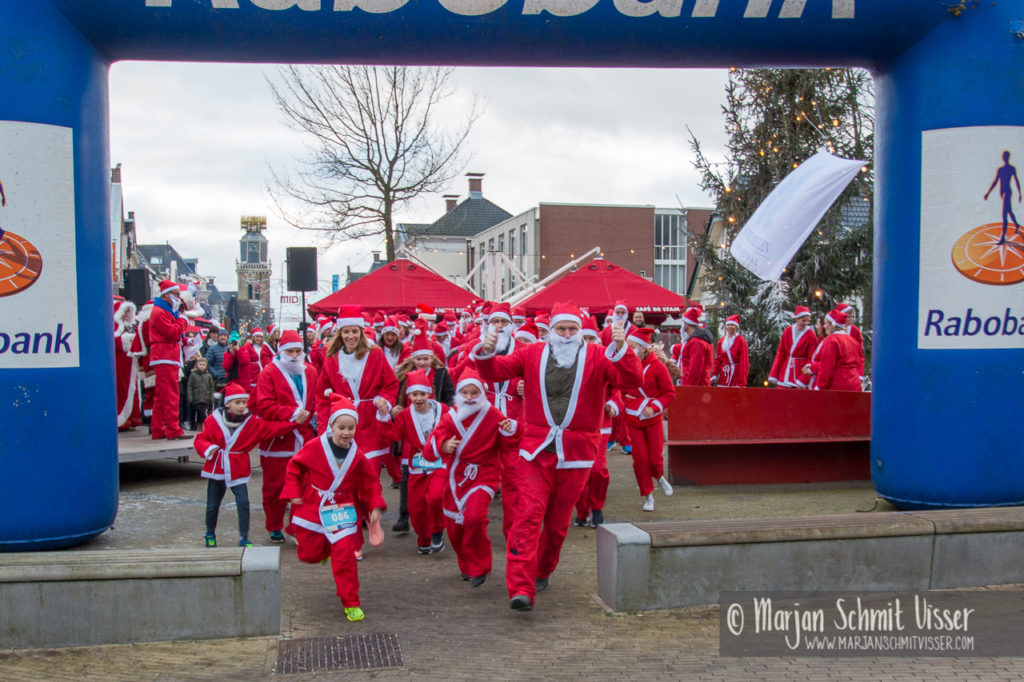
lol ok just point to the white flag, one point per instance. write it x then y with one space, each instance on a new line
782 222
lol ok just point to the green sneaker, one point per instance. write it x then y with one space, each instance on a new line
354 614
244 542
211 540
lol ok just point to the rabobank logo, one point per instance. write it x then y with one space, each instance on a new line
20 261
994 253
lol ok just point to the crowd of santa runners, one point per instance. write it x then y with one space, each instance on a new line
456 408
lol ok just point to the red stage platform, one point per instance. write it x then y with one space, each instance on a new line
767 435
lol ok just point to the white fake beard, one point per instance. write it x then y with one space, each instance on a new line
565 349
727 341
504 339
175 303
621 319
465 409
293 366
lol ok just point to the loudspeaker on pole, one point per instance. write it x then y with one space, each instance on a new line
301 268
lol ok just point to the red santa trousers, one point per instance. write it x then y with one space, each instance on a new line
469 539
546 499
648 459
314 547
273 482
165 402
425 494
509 485
595 492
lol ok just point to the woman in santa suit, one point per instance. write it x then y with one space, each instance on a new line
394 350
731 362
362 374
645 409
795 349
837 363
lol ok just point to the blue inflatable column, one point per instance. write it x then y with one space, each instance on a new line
58 443
947 421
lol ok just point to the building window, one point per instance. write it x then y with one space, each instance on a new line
669 251
522 245
154 260
490 245
512 243
501 243
250 292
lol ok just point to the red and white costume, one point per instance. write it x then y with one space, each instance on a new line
732 364
595 493
473 474
281 398
315 476
165 329
646 433
556 457
837 364
126 367
226 451
795 349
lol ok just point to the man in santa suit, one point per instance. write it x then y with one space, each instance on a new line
443 339
286 392
620 316
698 356
543 323
795 349
518 318
528 333
126 366
645 410
165 328
676 352
732 365
563 411
837 363
468 441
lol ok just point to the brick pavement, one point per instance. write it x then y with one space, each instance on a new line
451 631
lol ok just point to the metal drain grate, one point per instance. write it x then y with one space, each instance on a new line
353 652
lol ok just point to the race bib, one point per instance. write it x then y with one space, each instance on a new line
336 517
419 462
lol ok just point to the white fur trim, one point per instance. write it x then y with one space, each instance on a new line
565 317
804 314
475 382
289 346
615 357
419 387
513 426
421 351
350 322
338 413
175 288
526 336
499 316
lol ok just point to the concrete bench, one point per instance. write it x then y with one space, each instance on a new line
53 599
722 436
686 563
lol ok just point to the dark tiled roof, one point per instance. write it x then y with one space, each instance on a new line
166 254
854 213
472 216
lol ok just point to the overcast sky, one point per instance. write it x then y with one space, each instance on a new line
195 142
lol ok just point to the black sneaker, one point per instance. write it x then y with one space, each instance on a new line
395 485
423 550
401 525
579 523
437 541
520 602
478 581
463 576
276 536
596 518
541 584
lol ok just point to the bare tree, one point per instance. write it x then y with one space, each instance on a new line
375 143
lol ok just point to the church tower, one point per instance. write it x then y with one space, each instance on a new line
253 268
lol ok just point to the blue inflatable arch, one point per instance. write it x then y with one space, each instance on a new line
947 424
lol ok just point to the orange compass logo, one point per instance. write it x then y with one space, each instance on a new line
20 262
983 256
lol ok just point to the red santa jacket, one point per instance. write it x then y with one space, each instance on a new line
504 395
397 355
266 355
164 340
656 392
315 476
377 380
575 439
698 359
226 451
248 358
278 398
405 430
606 333
732 365
795 350
837 363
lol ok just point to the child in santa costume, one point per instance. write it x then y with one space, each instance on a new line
286 390
590 505
563 411
732 364
468 441
227 438
361 374
333 489
645 409
424 480
795 349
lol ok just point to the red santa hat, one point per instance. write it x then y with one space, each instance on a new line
418 381
440 329
257 332
367 319
124 314
519 314
425 312
404 321
566 312
341 405
234 392
620 304
470 376
289 339
478 314
500 311
371 336
692 316
350 316
590 327
837 317
390 325
641 336
169 287
844 308
378 319
467 312
527 332
801 311
421 342
733 319
449 317
542 322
